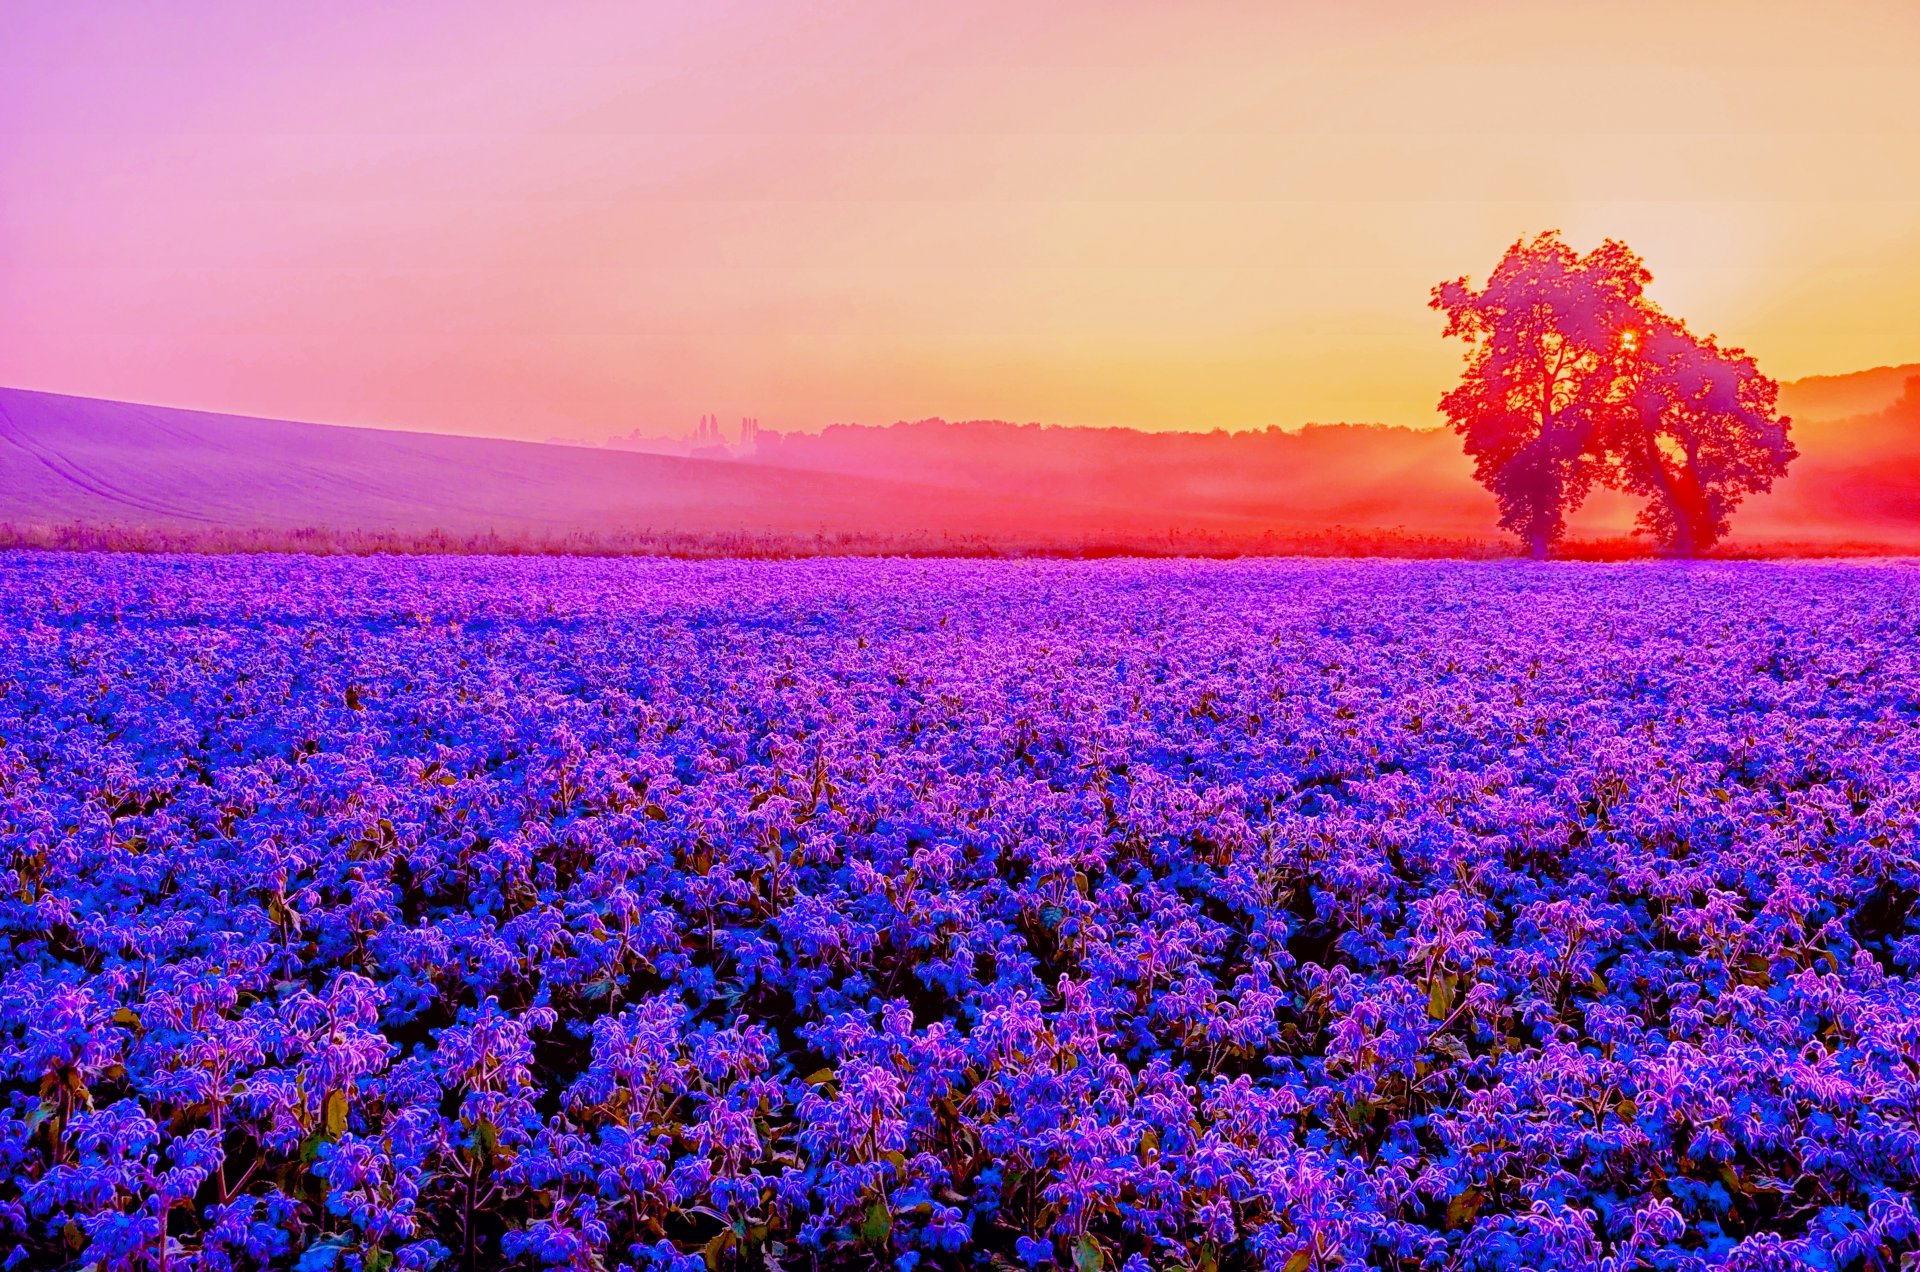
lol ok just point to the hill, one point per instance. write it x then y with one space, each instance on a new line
82 461
89 472
1839 397
80 471
1859 474
1322 475
1857 480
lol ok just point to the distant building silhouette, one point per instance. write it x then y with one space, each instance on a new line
707 435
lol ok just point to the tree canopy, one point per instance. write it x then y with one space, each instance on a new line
1574 377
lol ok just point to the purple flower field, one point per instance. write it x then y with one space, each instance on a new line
465 913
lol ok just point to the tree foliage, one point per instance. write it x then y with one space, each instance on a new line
1574 377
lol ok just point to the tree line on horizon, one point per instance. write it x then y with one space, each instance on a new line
1575 378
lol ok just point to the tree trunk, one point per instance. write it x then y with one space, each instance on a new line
1685 537
1701 535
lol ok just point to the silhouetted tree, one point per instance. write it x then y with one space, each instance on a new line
1697 428
1573 376
1541 338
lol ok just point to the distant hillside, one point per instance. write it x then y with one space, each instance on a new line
72 460
1855 481
1860 473
1335 474
85 471
1839 397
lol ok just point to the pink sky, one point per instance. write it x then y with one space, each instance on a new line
575 219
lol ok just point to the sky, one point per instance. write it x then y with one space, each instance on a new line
574 219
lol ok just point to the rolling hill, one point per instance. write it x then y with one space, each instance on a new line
1839 397
186 477
115 469
1857 479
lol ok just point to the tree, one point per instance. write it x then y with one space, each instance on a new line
1696 428
1574 376
1542 340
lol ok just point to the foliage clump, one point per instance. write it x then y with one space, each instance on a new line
1574 377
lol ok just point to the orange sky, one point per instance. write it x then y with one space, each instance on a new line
574 219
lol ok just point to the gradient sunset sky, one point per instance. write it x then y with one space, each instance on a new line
573 219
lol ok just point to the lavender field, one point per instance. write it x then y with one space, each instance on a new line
467 913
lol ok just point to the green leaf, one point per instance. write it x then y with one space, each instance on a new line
877 1227
1440 997
1462 1209
1087 1255
336 1114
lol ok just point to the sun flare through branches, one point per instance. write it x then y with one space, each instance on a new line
1575 378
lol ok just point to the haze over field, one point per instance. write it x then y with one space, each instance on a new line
85 462
68 461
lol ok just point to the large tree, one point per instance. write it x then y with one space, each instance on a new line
1542 338
1573 376
1694 429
